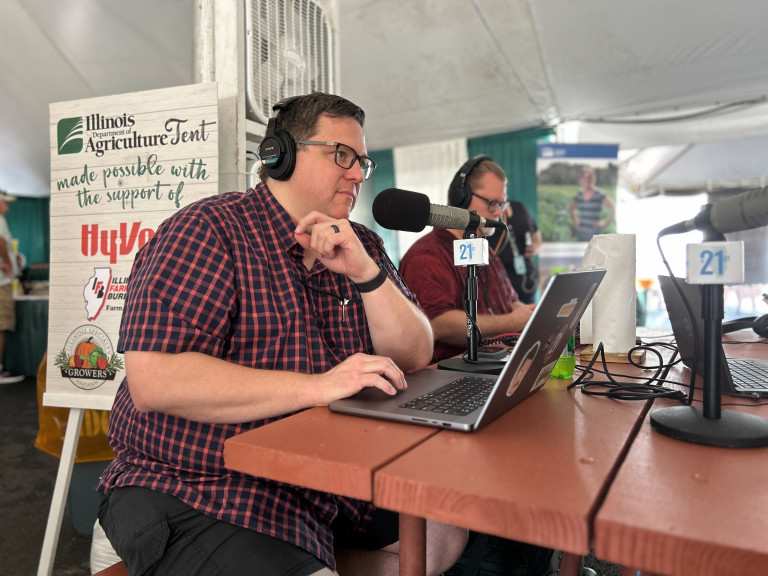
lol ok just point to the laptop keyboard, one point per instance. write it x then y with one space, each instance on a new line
749 374
459 397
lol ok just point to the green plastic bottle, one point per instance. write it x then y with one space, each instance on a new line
566 363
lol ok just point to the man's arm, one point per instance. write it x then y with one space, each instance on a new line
533 247
181 385
399 330
5 258
450 327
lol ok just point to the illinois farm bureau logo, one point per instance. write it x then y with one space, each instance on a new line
69 135
88 359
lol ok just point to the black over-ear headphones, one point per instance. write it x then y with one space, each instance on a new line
278 150
758 324
459 194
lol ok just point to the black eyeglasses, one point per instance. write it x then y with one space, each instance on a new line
345 156
493 205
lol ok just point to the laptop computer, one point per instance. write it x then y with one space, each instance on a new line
748 376
527 369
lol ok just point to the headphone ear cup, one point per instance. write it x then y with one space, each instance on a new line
761 326
278 153
458 193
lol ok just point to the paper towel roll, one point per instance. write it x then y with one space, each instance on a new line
613 309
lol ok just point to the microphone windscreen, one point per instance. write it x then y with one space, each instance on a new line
397 209
741 212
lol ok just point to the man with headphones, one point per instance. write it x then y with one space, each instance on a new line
241 310
429 271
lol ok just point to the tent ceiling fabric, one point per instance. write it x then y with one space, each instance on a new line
424 71
499 65
441 69
736 163
61 50
621 59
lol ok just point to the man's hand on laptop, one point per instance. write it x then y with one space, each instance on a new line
357 372
520 315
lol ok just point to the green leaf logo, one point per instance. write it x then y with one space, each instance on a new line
69 132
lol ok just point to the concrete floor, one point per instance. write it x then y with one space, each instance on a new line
27 477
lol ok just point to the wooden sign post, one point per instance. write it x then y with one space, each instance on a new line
120 165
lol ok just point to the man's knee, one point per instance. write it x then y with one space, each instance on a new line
325 572
445 545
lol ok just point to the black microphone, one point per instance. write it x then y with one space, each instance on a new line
740 212
397 209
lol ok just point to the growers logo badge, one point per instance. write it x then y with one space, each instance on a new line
69 135
88 359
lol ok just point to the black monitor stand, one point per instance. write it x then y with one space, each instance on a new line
709 425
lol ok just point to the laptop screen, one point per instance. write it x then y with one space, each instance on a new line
689 331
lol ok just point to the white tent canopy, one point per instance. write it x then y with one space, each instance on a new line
428 70
489 66
737 164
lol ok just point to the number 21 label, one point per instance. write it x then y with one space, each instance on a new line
715 263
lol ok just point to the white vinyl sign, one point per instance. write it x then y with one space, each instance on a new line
120 165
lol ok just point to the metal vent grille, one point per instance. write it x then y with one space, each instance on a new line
289 52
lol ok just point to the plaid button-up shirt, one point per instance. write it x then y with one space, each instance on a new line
224 276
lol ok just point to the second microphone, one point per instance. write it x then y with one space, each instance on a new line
397 209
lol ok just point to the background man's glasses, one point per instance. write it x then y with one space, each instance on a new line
345 156
493 205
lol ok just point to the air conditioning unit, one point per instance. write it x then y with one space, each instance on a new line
290 49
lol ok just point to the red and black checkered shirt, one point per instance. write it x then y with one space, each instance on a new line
224 276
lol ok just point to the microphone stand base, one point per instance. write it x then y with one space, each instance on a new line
732 430
479 367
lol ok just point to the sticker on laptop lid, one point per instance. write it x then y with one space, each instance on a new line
567 309
522 369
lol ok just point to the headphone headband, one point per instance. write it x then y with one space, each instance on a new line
284 103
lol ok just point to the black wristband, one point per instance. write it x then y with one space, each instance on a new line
377 281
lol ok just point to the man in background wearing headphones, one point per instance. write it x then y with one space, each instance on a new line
243 309
429 271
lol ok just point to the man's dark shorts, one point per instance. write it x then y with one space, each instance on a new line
158 534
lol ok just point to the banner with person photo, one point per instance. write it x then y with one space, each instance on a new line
576 188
